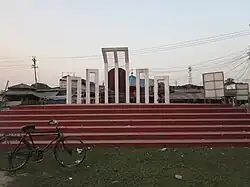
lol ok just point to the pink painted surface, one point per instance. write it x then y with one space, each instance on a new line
171 125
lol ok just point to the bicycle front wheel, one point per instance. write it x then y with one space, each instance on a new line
70 151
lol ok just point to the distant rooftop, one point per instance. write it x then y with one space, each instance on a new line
22 86
83 80
34 87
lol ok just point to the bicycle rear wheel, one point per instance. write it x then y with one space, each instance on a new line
14 153
70 152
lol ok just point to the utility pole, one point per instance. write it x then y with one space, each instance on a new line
5 90
34 66
190 74
6 85
248 53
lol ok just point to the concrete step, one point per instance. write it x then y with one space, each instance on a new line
143 116
136 129
115 106
158 143
120 110
149 136
130 122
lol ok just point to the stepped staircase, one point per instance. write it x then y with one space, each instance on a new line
172 125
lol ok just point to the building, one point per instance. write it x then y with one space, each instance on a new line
184 94
63 86
132 81
1 95
63 83
23 94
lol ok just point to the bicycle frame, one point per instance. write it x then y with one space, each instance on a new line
57 133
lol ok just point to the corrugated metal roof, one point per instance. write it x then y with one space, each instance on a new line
22 86
28 92
46 94
187 95
13 103
56 98
19 92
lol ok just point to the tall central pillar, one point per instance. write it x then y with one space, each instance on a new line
116 60
116 77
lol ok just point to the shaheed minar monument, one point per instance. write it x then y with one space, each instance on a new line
116 82
114 52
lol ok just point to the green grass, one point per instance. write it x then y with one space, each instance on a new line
143 167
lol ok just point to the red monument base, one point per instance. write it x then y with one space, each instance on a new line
173 125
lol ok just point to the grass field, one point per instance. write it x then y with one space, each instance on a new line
143 167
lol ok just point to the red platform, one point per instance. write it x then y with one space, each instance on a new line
120 106
138 124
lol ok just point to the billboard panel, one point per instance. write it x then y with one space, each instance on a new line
214 85
219 85
209 93
218 76
242 91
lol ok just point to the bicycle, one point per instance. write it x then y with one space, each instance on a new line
26 142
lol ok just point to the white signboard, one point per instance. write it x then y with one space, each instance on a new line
214 85
242 91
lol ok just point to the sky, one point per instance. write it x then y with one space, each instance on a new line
77 28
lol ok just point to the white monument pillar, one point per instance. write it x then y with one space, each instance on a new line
105 59
146 73
106 77
116 77
166 88
79 90
88 89
69 80
127 77
68 90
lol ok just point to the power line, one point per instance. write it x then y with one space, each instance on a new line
222 63
192 44
236 66
168 47
196 40
247 66
248 53
222 58
235 62
242 71
205 64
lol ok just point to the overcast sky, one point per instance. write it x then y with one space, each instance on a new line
63 28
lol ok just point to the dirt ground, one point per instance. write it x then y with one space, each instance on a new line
4 179
146 167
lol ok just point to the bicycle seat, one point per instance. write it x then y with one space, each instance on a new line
28 128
